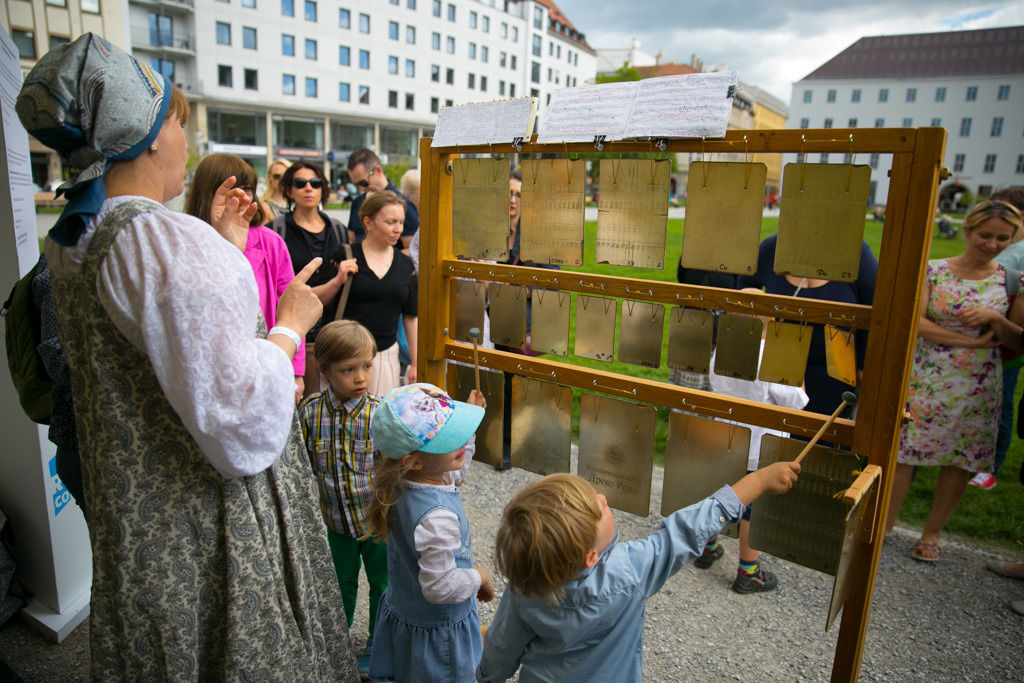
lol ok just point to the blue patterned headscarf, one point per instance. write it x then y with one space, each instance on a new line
93 103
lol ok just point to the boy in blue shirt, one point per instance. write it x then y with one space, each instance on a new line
575 602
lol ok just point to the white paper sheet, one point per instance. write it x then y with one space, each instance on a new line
484 123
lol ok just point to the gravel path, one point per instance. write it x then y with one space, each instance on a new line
945 621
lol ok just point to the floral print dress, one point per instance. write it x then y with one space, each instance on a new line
955 392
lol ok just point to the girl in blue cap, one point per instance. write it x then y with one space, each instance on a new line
427 624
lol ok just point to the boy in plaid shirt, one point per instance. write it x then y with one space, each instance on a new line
336 429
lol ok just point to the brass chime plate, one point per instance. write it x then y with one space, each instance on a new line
470 300
739 346
595 327
541 426
785 353
632 212
617 451
851 539
840 354
508 314
549 332
480 208
701 456
689 339
807 525
821 220
554 192
641 330
724 204
460 381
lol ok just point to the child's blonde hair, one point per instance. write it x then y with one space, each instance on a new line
546 531
340 340
389 477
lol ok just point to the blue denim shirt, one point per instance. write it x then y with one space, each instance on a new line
596 631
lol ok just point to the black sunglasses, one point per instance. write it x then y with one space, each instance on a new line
299 183
365 182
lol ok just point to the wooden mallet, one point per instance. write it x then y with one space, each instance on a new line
474 333
849 399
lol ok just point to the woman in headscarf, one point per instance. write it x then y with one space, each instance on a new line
210 561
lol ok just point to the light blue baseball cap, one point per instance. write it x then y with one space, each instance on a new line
422 417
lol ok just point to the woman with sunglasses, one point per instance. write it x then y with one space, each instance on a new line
309 232
272 196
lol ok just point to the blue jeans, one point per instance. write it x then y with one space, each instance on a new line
1010 376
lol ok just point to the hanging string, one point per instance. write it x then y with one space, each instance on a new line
748 167
849 172
803 162
705 166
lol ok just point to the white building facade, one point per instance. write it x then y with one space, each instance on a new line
969 82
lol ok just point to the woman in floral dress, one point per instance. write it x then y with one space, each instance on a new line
955 389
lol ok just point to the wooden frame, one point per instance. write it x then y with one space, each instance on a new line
891 320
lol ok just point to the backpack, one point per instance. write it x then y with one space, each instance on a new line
280 226
21 334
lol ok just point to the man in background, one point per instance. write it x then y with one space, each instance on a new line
365 171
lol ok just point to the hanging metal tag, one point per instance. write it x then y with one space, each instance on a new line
786 347
739 346
641 329
470 300
549 332
617 451
459 379
480 208
595 327
508 314
841 355
541 426
554 192
632 212
689 339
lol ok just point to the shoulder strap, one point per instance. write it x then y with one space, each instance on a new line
1012 282
343 299
279 225
340 231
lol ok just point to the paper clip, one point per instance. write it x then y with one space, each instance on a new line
599 142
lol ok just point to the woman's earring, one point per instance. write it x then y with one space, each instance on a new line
320 206
291 206
154 147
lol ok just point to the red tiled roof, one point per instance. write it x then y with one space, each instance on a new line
555 15
666 69
951 53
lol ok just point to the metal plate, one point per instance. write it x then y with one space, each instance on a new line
722 228
617 451
701 456
632 212
739 346
689 339
807 525
786 346
508 314
541 426
821 220
550 330
641 329
554 191
489 441
595 327
470 300
841 354
480 208
851 537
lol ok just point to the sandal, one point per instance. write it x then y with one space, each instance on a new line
927 551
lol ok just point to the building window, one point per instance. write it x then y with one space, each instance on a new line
515 34
451 12
879 123
472 50
449 77
344 19
487 24
501 88
936 122
250 4
852 123
504 30
828 123
251 80
807 95
436 8
287 45
392 64
393 99
161 31
940 94
410 4
873 161
450 45
435 105
511 89
288 8
310 11
535 72
911 94
410 35
435 41
344 55
410 101
435 73
855 95
512 62
310 49
288 84
908 122
538 18
249 37
824 158
538 44
1020 163
990 163
223 33
483 83
997 127
483 53
502 59
90 6
364 94
364 59
393 30
965 127
958 163
830 96
472 81
805 122
410 68
224 76
164 66
472 19
310 87
1004 93
364 23
972 93
883 94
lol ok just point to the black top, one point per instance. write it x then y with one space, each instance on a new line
304 246
378 303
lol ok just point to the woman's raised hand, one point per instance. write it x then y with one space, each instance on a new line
231 212
299 307
346 268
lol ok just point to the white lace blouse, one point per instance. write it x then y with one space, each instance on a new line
187 299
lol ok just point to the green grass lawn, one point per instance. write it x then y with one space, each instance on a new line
994 517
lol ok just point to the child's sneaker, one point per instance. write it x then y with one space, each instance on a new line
363 665
709 557
983 480
759 581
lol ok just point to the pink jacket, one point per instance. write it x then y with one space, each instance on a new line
273 269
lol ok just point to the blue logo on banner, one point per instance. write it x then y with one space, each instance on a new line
61 497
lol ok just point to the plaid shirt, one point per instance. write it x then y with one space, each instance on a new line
342 454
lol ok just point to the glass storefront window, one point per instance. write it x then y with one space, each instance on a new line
347 138
298 133
399 144
237 128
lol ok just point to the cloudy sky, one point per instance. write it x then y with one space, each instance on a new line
772 44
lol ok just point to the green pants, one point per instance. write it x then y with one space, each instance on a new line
348 553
